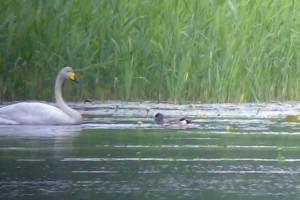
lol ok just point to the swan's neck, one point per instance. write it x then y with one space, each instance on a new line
61 103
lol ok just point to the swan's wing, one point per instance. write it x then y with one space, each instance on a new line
33 113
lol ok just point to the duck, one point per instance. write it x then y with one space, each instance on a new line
159 119
36 113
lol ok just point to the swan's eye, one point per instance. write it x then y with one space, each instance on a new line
71 75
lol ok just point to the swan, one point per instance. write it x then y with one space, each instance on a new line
35 113
159 119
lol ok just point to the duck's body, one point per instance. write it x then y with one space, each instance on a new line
36 113
159 119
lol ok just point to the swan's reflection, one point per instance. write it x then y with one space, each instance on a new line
23 138
39 131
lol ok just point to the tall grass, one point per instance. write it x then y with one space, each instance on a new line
176 50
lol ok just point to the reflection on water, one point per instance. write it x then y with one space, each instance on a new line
110 156
29 131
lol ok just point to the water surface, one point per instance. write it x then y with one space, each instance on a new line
111 156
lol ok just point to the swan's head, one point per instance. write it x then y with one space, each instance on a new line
68 73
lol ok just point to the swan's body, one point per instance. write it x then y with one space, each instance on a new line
43 114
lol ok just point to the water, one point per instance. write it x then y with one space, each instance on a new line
111 156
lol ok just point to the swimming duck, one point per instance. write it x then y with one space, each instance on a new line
159 119
36 113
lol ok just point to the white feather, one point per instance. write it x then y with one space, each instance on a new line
40 113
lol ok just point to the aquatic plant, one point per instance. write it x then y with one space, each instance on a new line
280 157
227 127
204 51
292 118
139 123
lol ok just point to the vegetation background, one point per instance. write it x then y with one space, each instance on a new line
167 50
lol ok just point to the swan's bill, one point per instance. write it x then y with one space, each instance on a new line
72 77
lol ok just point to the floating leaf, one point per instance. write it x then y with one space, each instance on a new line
292 118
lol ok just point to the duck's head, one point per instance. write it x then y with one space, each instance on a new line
158 118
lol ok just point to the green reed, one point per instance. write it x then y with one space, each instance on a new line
204 51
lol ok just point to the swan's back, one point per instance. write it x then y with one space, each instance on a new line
36 114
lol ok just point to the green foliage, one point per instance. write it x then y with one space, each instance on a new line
208 51
280 157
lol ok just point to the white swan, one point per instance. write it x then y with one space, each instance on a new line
43 114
